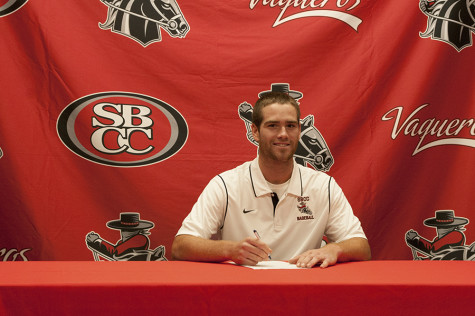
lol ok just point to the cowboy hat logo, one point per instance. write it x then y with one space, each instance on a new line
449 21
312 149
133 245
449 244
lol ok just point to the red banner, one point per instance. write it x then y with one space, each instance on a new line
132 106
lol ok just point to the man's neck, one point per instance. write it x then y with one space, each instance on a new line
276 172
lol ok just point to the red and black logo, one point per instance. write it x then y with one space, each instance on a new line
142 20
450 242
122 129
134 244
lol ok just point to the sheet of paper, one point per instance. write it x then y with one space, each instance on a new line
273 264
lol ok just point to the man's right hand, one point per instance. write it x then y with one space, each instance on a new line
249 251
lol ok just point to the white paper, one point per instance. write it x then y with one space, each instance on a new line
272 264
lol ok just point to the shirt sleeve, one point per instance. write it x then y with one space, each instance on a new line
342 223
207 215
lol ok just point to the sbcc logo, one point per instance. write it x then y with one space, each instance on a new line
122 129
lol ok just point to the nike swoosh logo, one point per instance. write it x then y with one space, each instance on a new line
247 211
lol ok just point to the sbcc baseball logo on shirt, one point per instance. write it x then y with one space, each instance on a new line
303 208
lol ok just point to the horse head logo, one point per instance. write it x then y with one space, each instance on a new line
312 148
142 20
449 21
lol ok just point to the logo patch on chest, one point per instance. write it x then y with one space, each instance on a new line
303 208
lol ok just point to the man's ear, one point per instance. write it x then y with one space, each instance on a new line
255 132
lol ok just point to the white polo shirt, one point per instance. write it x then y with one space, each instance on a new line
238 201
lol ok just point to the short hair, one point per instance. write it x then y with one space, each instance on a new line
269 98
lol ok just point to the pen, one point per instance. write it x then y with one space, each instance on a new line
259 237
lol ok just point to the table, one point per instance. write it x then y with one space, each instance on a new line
180 288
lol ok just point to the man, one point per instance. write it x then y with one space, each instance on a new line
292 207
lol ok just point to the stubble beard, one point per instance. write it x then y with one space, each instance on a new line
274 155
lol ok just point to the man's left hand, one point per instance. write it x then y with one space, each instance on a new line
326 256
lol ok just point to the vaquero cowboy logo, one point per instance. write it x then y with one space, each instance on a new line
449 21
312 149
133 245
141 20
449 244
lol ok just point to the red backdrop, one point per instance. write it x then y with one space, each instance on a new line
100 116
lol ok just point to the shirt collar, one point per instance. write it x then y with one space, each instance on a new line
259 183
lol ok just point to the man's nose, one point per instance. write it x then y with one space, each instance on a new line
283 132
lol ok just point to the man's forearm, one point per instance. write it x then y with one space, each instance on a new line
187 247
247 251
354 249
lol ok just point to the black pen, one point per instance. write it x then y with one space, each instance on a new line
259 237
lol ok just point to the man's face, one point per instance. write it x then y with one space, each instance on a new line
279 133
